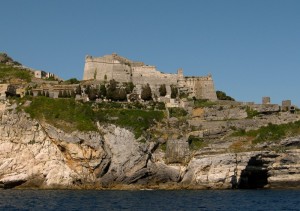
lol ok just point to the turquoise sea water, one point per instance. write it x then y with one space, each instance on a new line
150 200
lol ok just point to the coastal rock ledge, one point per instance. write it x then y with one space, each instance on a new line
37 155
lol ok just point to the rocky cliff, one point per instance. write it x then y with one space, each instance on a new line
34 154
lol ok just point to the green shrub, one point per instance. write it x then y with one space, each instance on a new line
251 113
160 106
8 72
196 143
134 120
71 81
163 147
177 112
222 96
271 132
240 132
63 113
202 103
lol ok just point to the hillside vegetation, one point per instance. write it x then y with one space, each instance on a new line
271 132
9 72
70 115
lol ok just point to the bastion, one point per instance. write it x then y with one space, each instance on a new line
124 70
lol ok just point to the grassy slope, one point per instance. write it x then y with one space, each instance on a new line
271 132
8 72
70 115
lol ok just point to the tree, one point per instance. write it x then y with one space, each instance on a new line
162 90
87 89
146 93
129 87
111 90
93 94
222 96
72 81
65 94
78 90
121 95
102 90
174 92
73 94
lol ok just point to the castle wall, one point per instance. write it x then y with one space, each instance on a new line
123 70
200 87
106 68
204 89
149 75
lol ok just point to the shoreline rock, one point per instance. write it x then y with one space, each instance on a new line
38 155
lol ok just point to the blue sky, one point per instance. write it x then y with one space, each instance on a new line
252 48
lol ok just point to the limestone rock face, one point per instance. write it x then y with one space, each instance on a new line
244 170
216 171
177 151
285 170
37 155
34 154
26 152
219 113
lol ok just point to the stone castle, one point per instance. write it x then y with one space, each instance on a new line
123 70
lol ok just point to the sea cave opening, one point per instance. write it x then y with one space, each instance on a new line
254 176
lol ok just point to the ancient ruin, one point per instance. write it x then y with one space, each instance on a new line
123 70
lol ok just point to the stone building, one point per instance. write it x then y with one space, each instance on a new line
54 90
286 105
40 74
123 70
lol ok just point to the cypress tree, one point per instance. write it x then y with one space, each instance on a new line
146 93
162 90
